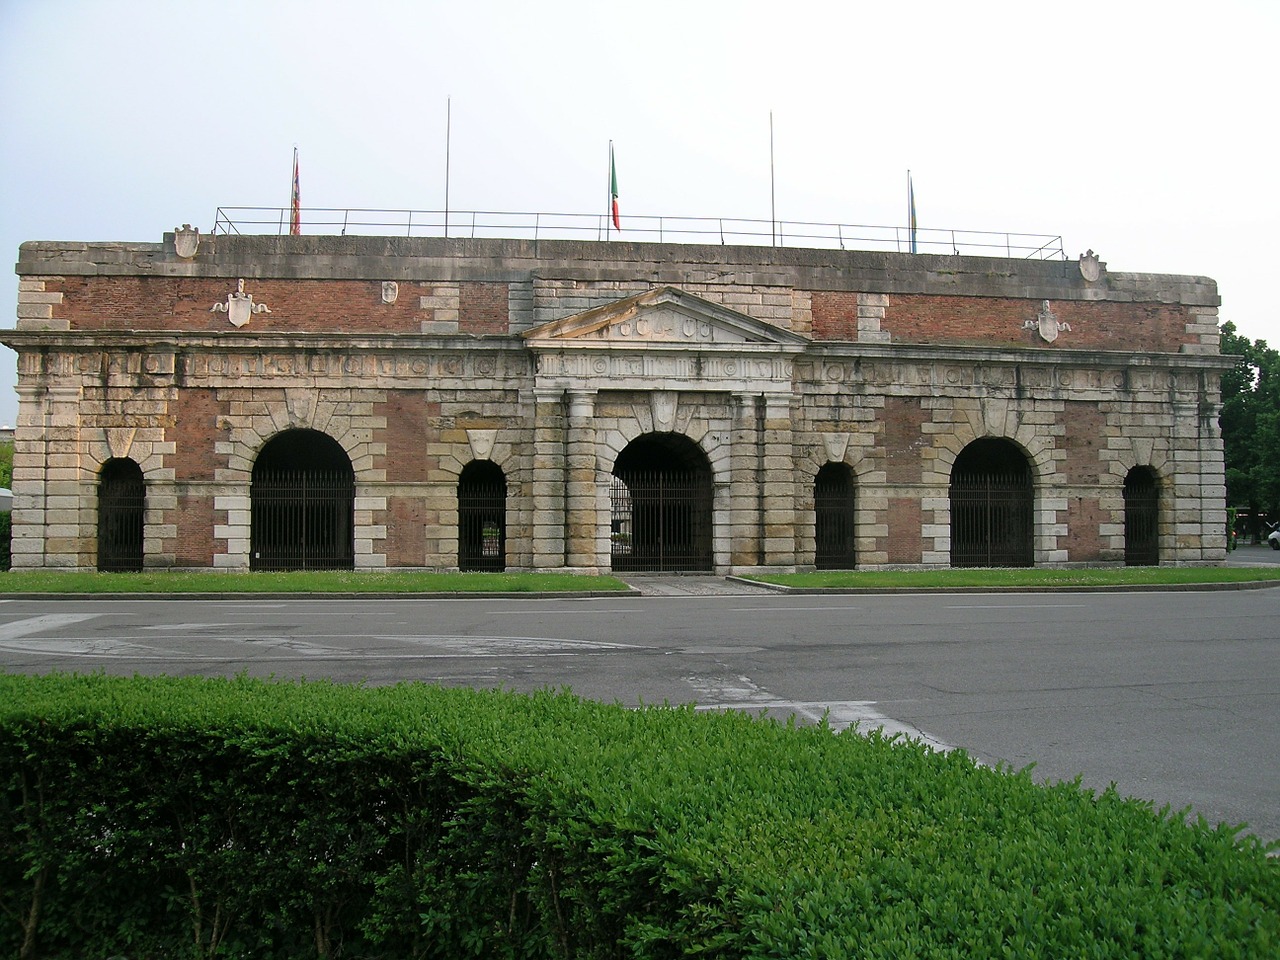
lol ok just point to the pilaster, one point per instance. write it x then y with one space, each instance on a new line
746 466
778 478
549 480
582 517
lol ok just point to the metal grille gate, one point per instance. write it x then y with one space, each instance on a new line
991 519
1141 519
302 520
833 519
121 502
482 520
660 521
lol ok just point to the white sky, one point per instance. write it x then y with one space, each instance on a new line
1144 130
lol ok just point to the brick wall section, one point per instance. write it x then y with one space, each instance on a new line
411 433
1085 436
482 308
904 543
1159 328
1083 540
355 306
903 437
180 303
406 543
195 432
835 315
195 545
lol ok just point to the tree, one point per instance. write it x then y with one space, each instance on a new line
1250 424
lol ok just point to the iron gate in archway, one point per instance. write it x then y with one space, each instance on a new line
660 521
482 517
992 503
302 499
121 504
302 520
833 518
1141 518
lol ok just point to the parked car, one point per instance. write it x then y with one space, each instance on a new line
1273 538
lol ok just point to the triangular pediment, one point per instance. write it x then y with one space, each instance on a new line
662 315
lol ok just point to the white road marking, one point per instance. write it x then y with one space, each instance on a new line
1014 606
50 621
285 648
742 693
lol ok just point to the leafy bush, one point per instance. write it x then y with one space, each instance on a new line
151 817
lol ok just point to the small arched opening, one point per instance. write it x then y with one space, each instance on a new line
1141 518
833 512
121 504
482 517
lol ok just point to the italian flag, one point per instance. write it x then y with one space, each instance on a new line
613 190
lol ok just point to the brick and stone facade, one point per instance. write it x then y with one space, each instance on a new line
420 356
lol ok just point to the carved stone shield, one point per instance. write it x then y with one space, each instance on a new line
186 241
239 306
1047 321
1090 268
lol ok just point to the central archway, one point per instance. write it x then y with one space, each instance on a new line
661 495
303 504
992 500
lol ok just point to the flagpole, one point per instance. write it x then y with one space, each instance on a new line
448 129
911 214
608 193
773 206
295 199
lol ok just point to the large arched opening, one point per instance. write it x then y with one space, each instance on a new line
661 506
833 511
482 517
992 506
121 504
1141 518
303 504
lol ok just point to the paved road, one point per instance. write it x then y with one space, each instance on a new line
1175 697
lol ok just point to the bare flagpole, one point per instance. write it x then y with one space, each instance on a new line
773 206
448 129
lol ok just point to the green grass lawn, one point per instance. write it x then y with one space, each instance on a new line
401 582
327 581
1029 578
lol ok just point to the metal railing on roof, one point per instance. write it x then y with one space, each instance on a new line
493 224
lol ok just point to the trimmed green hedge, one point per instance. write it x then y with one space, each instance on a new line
156 817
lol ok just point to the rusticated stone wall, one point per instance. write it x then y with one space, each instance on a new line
420 356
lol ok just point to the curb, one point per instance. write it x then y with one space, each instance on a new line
436 595
1053 588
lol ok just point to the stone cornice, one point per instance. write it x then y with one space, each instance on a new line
80 341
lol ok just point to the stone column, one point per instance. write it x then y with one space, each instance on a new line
745 464
549 480
778 478
582 517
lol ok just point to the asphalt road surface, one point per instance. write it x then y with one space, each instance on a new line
1173 696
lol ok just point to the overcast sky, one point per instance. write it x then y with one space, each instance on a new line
1144 131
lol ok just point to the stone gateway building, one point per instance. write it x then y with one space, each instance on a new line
249 402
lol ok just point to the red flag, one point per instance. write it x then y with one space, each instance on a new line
295 201
613 190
